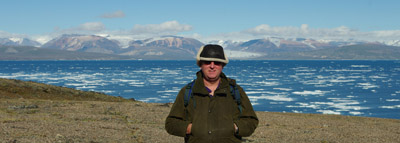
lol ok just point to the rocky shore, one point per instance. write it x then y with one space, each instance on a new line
34 112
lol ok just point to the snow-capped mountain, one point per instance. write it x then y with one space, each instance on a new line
392 43
261 47
167 47
84 43
19 42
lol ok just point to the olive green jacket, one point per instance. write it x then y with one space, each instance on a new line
212 117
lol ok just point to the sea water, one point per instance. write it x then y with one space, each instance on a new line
357 88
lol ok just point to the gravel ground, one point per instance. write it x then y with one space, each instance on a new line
66 121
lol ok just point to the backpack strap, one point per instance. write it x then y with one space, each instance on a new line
235 93
188 92
187 96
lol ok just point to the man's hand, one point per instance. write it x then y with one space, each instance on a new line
236 128
189 129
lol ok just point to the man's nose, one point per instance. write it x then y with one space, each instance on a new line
212 64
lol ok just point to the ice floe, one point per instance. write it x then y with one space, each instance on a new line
367 85
274 98
306 93
390 107
328 112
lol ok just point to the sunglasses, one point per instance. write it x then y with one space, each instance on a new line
209 62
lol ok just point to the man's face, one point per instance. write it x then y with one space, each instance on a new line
211 70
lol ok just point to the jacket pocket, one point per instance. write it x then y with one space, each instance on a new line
199 128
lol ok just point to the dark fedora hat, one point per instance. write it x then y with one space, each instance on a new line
213 53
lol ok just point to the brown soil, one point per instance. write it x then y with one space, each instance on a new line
51 119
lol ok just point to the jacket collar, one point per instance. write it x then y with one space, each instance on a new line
199 87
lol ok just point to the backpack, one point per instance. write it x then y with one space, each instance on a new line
233 88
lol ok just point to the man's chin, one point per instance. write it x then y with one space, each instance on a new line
212 78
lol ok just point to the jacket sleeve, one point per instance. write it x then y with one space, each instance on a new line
176 123
248 120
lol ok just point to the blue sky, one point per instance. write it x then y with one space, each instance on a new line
204 20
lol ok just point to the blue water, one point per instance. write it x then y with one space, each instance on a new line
356 88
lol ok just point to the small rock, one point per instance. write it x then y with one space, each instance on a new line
23 107
165 105
32 106
58 136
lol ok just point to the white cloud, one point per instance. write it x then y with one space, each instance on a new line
304 31
293 32
116 14
92 26
179 29
169 27
4 34
88 28
123 36
304 28
387 34
85 28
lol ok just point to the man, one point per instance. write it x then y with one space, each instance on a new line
212 113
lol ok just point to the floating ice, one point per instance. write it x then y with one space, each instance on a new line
356 113
315 92
304 74
341 80
274 98
107 91
284 89
390 107
143 71
303 105
265 83
150 99
128 91
155 81
347 70
86 87
343 104
367 85
9 76
296 111
255 92
328 112
376 77
75 84
173 72
360 66
136 83
168 91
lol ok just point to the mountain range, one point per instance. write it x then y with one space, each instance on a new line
19 42
93 47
